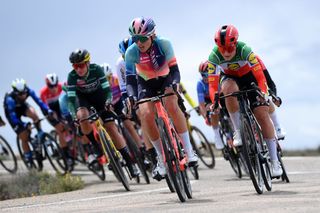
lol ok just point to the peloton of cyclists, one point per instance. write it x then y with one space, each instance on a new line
240 68
151 67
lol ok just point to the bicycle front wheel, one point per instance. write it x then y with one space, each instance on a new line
171 160
251 155
36 160
7 157
114 160
202 147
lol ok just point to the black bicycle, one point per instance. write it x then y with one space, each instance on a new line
254 148
43 146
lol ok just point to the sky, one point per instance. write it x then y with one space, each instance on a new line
38 36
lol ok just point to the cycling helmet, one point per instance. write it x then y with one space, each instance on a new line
142 27
124 44
226 36
52 80
79 56
19 85
203 67
106 69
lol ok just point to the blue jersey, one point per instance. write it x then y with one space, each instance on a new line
203 92
11 103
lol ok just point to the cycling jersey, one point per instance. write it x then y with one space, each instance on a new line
203 92
116 93
90 86
121 73
241 64
270 82
51 98
15 108
157 62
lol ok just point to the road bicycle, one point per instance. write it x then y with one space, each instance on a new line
111 154
172 149
254 147
43 146
8 159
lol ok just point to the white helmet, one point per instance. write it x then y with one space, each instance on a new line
52 80
19 85
106 69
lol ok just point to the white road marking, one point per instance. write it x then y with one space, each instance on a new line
87 199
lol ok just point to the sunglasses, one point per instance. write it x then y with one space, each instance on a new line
142 39
81 66
52 86
204 75
227 49
21 93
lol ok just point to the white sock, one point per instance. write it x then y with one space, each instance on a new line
235 118
272 147
186 143
274 119
158 146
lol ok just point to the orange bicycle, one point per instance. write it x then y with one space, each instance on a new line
172 149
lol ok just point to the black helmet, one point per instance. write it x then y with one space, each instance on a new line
79 56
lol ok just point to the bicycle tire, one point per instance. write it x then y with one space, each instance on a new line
202 147
34 164
136 155
184 174
6 154
171 161
251 155
114 161
169 183
51 148
264 157
234 162
284 176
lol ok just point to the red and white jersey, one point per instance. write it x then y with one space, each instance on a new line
49 97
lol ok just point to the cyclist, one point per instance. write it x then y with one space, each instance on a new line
151 67
121 73
240 68
88 83
212 119
273 115
49 94
16 106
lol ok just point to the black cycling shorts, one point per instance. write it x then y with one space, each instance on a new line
244 83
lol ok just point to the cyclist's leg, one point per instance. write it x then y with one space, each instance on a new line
179 120
228 86
273 115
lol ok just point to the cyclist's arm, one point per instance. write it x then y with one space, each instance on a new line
269 80
104 84
44 108
131 76
121 73
167 48
43 95
10 106
201 99
71 92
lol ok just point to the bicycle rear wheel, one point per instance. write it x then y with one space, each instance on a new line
35 160
114 160
171 161
251 155
54 153
234 161
202 147
7 157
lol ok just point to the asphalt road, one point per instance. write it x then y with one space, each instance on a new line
218 190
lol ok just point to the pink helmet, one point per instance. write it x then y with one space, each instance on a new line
142 27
